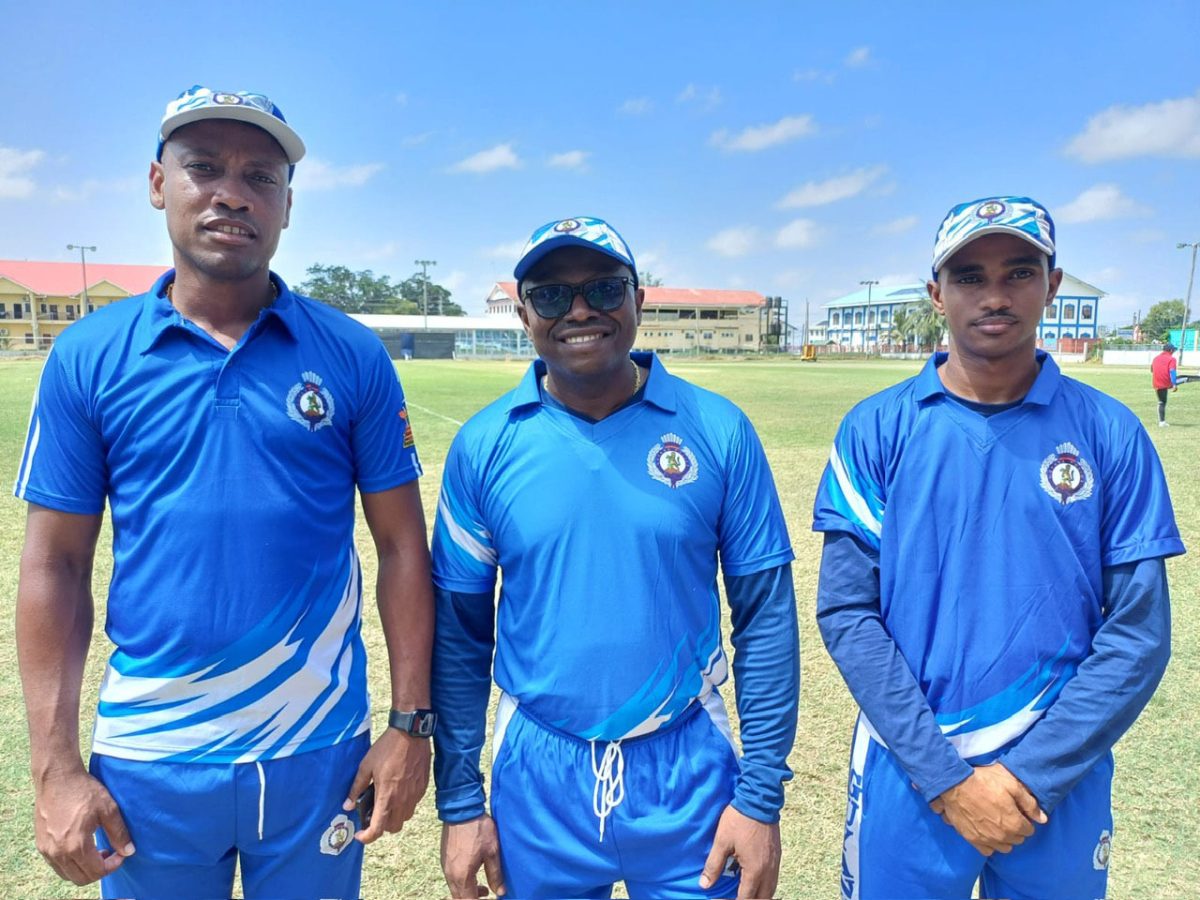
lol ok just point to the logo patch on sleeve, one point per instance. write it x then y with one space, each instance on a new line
409 440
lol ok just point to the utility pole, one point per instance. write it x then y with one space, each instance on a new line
1187 303
82 262
867 323
425 264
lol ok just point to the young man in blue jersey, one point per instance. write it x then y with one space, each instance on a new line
996 603
605 490
227 422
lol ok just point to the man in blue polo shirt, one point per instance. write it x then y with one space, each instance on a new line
993 590
606 490
227 422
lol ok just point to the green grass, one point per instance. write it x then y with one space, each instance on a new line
796 408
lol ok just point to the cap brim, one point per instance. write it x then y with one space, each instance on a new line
293 147
984 232
534 256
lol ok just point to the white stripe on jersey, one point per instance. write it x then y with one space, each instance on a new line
857 503
464 539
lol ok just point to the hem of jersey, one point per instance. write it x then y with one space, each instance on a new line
387 482
1157 549
691 710
55 502
774 560
160 754
464 586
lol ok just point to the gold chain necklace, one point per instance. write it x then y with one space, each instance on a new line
637 375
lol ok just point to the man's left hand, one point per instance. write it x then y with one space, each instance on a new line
753 845
398 765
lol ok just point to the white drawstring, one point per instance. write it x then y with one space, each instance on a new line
610 788
262 797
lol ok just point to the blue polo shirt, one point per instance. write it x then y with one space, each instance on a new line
993 534
608 535
230 477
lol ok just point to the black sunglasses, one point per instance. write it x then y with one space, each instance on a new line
551 301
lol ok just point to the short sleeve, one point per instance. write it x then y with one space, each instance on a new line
851 496
1138 520
752 531
385 452
64 465
464 557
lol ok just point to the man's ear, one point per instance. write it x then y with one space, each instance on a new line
157 176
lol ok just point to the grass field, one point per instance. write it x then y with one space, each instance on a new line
796 408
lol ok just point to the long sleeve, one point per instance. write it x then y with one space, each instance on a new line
766 670
1113 684
461 683
848 614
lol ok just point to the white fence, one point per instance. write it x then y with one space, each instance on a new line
1140 358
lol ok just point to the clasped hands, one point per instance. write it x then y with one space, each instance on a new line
991 809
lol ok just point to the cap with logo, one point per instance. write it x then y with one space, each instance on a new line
1018 216
199 102
580 231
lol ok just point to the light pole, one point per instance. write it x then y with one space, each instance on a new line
1187 304
83 262
425 264
866 324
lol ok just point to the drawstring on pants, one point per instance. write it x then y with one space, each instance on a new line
610 781
262 797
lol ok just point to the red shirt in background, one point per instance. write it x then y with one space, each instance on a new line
1161 369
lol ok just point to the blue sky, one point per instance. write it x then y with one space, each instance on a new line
787 148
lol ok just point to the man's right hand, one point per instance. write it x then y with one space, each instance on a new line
465 847
991 809
68 810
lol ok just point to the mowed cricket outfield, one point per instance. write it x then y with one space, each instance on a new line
796 408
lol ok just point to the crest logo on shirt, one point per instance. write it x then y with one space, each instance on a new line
337 836
1066 476
409 440
309 403
670 462
1103 851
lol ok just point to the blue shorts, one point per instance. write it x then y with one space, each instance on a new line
896 846
669 788
191 821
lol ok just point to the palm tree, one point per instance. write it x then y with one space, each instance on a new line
904 322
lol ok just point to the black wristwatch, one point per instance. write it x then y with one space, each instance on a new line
419 723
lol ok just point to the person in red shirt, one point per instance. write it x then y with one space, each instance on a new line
1162 372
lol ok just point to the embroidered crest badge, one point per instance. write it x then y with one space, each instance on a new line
1103 851
409 440
337 836
670 462
1065 475
310 404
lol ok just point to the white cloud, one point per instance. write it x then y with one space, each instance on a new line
857 58
14 168
897 226
636 106
840 187
1100 202
813 75
414 140
732 242
317 175
93 186
499 157
1167 128
760 137
508 252
796 234
572 159
705 98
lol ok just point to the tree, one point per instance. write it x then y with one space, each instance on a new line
440 304
356 292
904 327
1163 316
647 279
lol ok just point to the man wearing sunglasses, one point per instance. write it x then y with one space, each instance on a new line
606 490
227 423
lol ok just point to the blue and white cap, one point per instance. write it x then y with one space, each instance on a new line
1019 216
580 231
199 102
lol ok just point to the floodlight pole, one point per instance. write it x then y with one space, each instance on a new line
866 324
424 264
82 262
1187 303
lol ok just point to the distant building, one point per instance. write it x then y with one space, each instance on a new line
683 320
39 299
860 321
